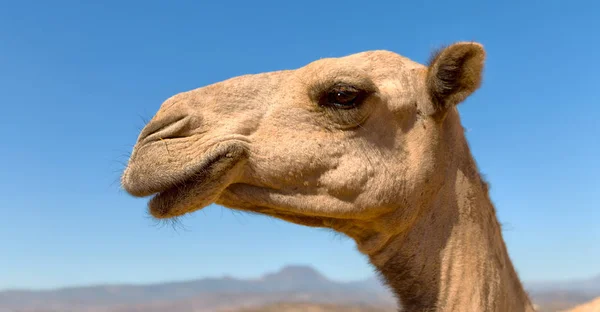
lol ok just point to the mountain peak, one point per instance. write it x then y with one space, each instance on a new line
299 269
296 273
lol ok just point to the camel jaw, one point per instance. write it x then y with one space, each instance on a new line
193 188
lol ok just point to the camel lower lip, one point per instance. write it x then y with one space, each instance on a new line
163 201
200 188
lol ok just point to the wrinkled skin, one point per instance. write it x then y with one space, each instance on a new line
369 145
264 143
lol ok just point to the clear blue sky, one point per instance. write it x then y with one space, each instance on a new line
76 79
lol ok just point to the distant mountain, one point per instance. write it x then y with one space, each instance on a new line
298 278
592 306
561 295
293 287
589 286
292 283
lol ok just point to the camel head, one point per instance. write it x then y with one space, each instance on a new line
351 143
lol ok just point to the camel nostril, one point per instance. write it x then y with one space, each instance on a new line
168 127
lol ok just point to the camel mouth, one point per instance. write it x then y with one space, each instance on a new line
199 187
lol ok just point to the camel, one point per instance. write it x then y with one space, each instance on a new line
369 145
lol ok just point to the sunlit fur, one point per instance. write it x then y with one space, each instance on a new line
394 171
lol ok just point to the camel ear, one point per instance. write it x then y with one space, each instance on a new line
454 73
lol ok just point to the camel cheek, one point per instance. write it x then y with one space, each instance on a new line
348 179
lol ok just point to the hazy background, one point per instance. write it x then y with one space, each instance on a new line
77 79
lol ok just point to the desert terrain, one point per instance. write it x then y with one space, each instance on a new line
292 288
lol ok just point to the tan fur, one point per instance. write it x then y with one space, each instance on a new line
395 172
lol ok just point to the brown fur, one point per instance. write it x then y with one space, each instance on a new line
369 145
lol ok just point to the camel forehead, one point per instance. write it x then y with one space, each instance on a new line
369 65
377 62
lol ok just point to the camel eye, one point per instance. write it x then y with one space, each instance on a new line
344 97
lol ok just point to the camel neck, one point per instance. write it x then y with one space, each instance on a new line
454 257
